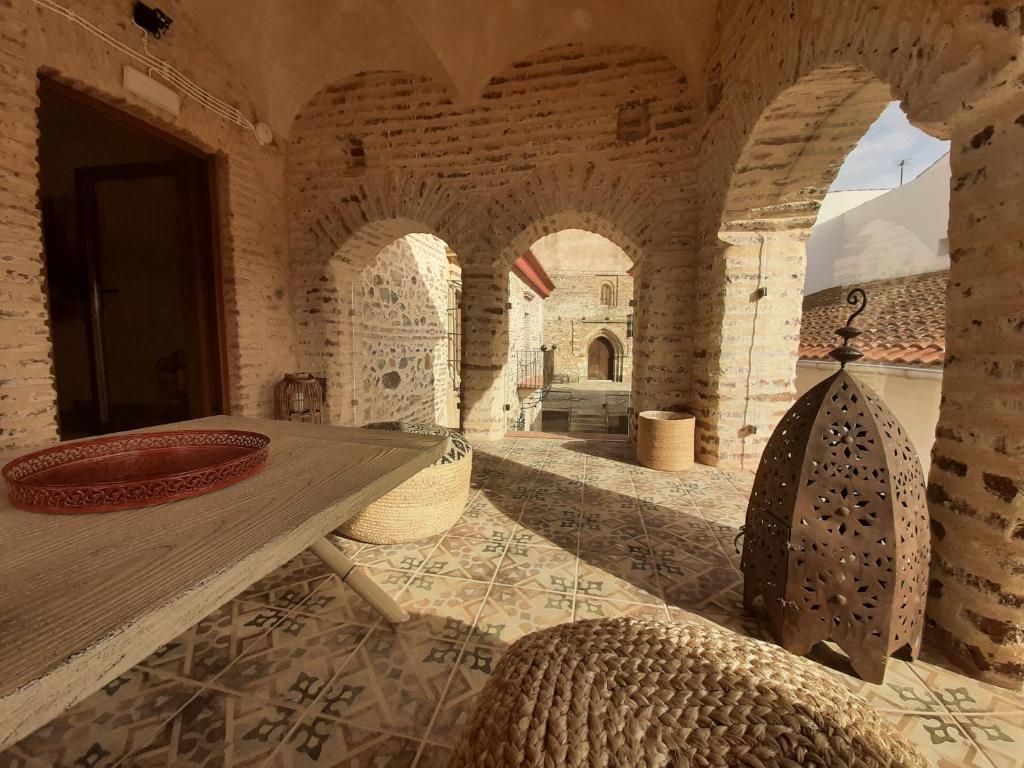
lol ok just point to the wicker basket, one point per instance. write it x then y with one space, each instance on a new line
424 505
665 440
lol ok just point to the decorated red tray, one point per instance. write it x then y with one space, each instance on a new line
136 470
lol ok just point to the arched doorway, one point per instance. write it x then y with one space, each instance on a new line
600 360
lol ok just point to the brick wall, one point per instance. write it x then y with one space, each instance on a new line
250 205
769 151
425 162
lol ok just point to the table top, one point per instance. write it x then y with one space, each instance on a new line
85 597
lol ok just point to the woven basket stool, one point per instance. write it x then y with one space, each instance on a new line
424 505
627 692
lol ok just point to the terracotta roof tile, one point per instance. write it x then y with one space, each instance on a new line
904 324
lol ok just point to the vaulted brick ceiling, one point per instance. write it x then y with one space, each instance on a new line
292 50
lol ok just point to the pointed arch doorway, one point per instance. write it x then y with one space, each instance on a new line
600 360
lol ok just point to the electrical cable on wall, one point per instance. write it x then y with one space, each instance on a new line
760 292
157 67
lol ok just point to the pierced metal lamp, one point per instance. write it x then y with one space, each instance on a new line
836 539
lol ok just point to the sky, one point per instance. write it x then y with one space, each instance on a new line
872 163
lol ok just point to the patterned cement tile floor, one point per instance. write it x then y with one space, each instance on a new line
296 671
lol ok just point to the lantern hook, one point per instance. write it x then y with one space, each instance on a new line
857 295
845 353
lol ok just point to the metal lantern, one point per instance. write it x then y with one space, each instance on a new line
836 539
299 397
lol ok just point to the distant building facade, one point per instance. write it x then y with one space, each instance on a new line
587 316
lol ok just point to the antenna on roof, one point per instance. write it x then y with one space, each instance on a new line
902 164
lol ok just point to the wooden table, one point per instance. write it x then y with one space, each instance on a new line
85 597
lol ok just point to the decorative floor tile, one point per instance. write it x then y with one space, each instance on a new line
717 588
218 729
465 558
511 612
393 682
300 671
547 568
284 598
1000 737
960 694
292 664
488 524
475 666
440 606
206 649
593 608
398 557
637 588
111 723
321 741
902 691
945 742
303 567
336 602
543 529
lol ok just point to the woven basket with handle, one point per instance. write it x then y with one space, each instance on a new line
424 505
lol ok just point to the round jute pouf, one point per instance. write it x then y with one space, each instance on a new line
664 440
424 505
628 692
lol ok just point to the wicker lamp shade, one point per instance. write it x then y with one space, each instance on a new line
299 397
836 539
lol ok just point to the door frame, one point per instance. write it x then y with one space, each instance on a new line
207 227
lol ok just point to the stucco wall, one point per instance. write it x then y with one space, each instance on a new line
912 395
399 341
902 232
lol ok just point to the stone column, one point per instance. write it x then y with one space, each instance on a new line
745 359
976 486
484 351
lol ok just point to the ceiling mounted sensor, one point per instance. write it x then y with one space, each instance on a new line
153 20
264 135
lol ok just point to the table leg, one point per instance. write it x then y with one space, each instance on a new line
359 581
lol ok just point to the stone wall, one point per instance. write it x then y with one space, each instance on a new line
250 204
399 335
575 315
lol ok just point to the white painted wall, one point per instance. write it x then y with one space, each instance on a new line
839 202
913 395
900 232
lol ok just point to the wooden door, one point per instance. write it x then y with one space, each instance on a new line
600 360
154 329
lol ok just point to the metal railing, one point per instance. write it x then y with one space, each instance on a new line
535 368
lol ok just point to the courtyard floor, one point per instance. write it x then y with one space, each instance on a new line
296 671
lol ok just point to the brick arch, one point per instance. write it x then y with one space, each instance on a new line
914 47
797 146
323 298
574 196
